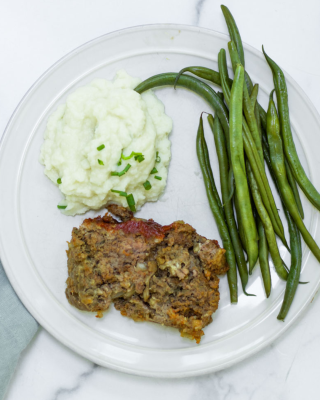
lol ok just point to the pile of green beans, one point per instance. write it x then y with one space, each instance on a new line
246 137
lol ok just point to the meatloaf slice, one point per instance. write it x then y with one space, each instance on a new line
163 274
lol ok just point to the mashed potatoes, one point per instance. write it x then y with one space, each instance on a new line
86 137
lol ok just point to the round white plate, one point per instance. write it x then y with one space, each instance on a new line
33 232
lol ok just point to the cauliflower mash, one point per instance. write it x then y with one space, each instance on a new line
101 124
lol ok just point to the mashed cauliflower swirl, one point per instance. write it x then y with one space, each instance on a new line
111 114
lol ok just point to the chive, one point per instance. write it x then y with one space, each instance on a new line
139 158
131 155
147 185
62 207
127 158
158 159
126 169
101 147
158 177
119 162
154 170
124 194
100 162
59 181
131 202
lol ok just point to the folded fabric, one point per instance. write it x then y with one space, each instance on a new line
17 328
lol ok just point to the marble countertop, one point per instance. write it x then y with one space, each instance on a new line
37 33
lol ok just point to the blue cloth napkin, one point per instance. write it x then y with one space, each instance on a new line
17 328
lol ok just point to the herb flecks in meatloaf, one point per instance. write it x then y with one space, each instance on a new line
163 274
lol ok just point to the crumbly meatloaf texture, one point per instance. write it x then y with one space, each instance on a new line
163 274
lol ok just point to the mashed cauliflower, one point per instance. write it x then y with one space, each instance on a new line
112 117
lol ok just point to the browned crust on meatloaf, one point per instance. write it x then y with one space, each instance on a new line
163 274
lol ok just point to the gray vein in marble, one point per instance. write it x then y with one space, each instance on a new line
289 370
213 386
59 394
199 6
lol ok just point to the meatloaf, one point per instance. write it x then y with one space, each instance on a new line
163 274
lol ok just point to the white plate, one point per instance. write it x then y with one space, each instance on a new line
33 233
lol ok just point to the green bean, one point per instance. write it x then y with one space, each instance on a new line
254 101
213 184
249 110
224 80
234 32
220 144
247 104
263 259
257 114
202 72
254 94
225 84
290 178
238 166
221 224
248 82
240 225
277 161
256 218
224 76
220 94
263 117
294 188
288 143
295 269
236 38
264 217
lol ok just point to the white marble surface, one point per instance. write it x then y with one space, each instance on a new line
35 34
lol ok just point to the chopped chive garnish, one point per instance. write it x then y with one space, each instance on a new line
158 177
100 162
131 202
126 169
62 207
59 181
147 185
139 158
158 159
101 147
154 170
124 194
131 155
